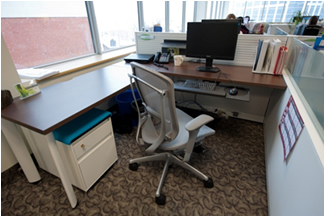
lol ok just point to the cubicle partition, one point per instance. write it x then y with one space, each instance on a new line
287 27
295 185
254 109
150 43
279 31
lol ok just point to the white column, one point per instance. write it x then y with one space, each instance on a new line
20 150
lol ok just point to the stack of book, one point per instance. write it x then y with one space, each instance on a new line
270 57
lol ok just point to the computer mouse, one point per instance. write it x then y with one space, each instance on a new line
233 91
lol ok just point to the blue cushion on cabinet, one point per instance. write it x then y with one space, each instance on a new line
80 125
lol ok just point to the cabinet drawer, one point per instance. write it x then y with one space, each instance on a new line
92 138
97 161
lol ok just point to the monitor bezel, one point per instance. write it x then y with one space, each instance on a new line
208 56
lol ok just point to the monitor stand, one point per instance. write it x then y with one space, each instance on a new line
208 67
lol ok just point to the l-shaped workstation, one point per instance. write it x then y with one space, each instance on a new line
268 96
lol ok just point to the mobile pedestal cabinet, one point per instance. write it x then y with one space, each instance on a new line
86 158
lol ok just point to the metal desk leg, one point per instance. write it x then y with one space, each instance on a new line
60 167
20 150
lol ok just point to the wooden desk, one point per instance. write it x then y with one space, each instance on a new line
237 74
53 107
60 103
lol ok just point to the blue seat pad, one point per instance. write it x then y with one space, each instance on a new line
80 125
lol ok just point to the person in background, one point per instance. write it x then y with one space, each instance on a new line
243 28
231 16
248 18
248 24
313 20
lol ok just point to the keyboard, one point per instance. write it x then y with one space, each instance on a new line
205 85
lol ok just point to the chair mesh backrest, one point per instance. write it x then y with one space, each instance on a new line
312 30
152 98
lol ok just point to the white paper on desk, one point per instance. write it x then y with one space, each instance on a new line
38 74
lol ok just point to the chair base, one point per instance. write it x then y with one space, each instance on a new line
170 159
161 200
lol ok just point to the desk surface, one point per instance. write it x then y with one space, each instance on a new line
59 103
236 74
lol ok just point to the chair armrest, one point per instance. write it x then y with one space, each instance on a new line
198 122
193 128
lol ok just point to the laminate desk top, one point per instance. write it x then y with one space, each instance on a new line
59 103
232 74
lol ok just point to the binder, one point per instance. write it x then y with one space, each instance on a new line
283 52
259 47
276 43
261 57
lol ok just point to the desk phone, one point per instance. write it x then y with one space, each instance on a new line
161 57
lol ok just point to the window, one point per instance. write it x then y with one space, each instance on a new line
38 33
275 11
115 29
175 16
189 13
315 8
279 10
292 7
238 8
154 13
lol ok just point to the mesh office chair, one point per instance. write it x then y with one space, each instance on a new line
164 127
312 30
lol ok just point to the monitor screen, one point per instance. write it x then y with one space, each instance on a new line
246 20
305 19
212 40
225 20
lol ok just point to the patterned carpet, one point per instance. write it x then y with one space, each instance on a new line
234 159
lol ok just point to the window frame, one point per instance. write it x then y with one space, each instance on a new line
213 9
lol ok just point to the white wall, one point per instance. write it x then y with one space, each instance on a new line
295 186
9 77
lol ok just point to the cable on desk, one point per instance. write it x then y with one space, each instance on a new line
192 102
161 65
199 60
221 72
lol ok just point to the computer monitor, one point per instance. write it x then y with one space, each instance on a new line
211 40
225 20
246 20
305 19
299 29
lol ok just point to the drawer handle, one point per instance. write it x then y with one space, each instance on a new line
83 146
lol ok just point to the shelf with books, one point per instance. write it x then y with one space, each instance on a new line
270 57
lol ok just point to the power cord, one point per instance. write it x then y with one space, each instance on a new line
161 65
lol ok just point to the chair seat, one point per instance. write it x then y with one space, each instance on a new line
183 135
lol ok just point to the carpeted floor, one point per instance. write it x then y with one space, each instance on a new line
234 159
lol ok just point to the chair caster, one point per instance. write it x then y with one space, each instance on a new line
199 149
161 200
133 166
208 183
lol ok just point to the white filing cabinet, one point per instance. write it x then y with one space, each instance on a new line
86 159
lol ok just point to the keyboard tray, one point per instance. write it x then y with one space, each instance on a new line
218 91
